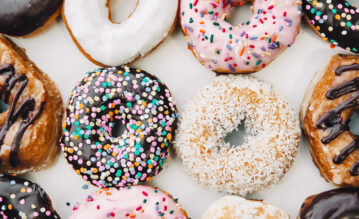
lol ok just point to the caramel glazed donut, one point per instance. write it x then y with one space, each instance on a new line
342 203
23 199
328 104
30 127
26 18
269 147
235 207
145 108
106 43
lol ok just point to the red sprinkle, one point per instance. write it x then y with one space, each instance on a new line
144 193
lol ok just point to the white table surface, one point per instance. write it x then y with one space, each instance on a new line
56 54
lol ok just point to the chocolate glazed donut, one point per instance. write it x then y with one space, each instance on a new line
21 199
340 203
336 21
23 17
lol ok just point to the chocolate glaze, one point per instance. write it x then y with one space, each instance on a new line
328 24
25 110
333 120
340 203
14 189
22 17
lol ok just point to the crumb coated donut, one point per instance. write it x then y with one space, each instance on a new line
140 202
342 203
328 105
107 43
235 207
270 144
335 21
145 108
245 48
27 17
20 198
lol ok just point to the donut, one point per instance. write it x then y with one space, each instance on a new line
326 110
140 202
27 18
218 109
336 203
20 198
335 21
235 207
245 48
31 124
145 109
106 43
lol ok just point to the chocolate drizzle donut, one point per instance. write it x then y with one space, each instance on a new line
336 21
332 119
23 17
334 204
20 198
141 103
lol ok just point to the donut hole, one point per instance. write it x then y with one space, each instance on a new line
240 14
237 136
3 106
354 3
118 129
354 123
120 10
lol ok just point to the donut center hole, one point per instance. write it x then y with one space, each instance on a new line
3 106
118 129
354 123
120 10
354 3
237 136
240 14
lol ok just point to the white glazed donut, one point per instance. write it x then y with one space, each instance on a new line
269 147
234 207
113 44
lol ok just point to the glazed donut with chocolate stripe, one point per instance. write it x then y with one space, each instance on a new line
326 110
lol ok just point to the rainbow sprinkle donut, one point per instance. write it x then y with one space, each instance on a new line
245 48
336 21
145 108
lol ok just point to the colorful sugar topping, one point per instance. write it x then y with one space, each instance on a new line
247 47
145 109
336 21
23 199
140 202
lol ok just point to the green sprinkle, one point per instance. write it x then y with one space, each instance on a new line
258 62
211 39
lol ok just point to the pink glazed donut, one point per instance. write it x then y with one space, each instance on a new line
245 48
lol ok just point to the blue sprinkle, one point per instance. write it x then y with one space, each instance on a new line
85 187
281 28
231 68
188 27
255 55
263 49
229 47
242 34
253 38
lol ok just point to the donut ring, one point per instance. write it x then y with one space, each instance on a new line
27 18
218 109
247 48
20 198
235 207
30 127
111 44
143 105
326 110
130 202
335 21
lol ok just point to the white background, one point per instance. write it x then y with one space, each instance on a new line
56 54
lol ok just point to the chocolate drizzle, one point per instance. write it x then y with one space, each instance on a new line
25 110
333 120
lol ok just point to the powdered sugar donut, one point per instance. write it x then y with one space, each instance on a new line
129 202
239 49
112 44
269 147
234 207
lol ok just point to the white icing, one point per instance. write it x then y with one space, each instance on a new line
269 147
116 44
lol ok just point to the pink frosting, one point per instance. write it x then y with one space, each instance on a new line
244 48
140 202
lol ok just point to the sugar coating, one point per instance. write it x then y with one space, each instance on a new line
144 107
235 207
269 147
